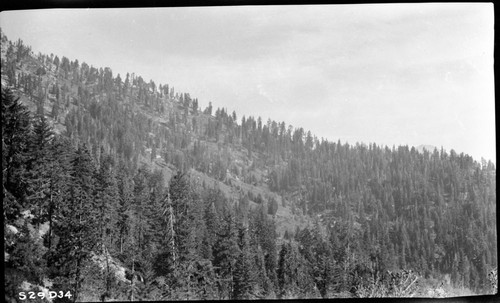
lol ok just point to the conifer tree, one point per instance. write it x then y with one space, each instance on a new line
76 224
125 211
283 272
211 199
264 232
15 134
40 163
225 250
60 168
243 273
106 199
141 198
178 253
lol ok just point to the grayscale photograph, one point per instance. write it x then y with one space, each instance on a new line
249 152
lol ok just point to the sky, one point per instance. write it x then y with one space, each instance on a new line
390 74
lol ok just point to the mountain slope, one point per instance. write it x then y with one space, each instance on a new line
392 208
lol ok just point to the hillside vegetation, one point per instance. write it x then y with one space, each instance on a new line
116 188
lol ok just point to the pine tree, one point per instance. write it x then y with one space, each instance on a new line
106 199
266 231
243 272
76 225
125 211
141 225
225 251
15 139
182 205
212 198
284 271
39 171
178 257
59 157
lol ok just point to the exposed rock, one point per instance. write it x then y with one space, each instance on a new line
117 269
27 214
12 229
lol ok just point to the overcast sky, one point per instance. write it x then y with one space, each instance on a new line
390 74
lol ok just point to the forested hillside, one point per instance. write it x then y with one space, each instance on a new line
119 188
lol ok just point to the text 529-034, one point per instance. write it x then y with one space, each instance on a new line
31 295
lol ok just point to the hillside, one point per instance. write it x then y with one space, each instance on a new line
312 218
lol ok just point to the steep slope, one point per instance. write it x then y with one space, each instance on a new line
154 125
391 208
